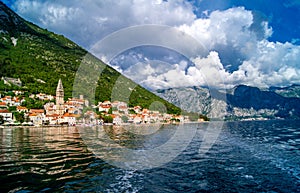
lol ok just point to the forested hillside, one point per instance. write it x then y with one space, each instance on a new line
40 57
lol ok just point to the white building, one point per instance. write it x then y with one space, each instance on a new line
7 116
104 106
21 109
117 120
36 118
70 118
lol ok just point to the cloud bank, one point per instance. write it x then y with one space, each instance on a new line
87 22
239 49
232 33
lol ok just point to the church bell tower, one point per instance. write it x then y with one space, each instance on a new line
60 98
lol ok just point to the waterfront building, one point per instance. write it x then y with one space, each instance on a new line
6 114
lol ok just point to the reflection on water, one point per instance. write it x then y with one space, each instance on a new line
129 136
19 143
34 157
247 157
128 147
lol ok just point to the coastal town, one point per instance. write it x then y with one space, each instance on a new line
56 111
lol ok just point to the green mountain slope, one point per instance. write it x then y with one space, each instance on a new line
39 58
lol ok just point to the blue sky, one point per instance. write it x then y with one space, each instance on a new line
249 42
281 14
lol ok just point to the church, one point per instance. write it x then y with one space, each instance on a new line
60 109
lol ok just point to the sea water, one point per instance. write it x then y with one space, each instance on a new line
254 156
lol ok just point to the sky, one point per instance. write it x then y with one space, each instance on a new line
255 42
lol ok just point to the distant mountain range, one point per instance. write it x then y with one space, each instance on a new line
290 91
241 102
39 58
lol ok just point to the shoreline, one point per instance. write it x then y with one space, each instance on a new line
66 126
136 125
33 126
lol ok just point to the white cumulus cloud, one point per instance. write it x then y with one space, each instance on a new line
238 48
87 22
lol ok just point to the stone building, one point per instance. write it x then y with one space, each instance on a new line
60 110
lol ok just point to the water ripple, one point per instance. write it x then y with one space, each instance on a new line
247 157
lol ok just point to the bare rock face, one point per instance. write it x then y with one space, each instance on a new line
10 22
242 102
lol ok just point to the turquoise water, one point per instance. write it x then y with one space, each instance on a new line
262 156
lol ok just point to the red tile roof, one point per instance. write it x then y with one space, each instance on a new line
70 115
36 111
4 111
2 103
21 108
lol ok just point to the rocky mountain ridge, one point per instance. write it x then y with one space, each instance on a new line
241 102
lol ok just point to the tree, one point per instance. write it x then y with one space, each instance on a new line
19 116
1 119
107 119
12 108
193 116
124 118
10 93
176 120
33 104
110 110
27 119
131 111
204 117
